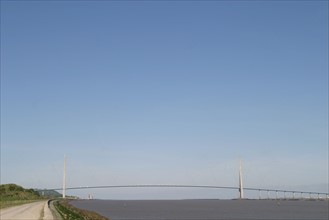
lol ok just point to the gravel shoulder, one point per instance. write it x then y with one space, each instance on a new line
35 210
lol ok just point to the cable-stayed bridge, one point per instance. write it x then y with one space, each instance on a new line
279 193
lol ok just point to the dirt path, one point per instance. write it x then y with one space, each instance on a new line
31 211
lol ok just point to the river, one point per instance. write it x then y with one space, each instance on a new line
205 209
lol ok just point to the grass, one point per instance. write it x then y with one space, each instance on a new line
7 204
69 212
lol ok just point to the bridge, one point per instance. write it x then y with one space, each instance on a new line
279 193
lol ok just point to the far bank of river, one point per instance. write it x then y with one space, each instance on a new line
206 209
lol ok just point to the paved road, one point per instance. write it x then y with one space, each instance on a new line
31 211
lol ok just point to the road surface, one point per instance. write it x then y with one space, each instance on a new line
35 211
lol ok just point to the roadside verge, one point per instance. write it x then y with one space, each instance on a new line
64 210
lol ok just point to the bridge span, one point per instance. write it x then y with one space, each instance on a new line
283 193
296 194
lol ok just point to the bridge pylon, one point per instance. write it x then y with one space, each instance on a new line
241 182
64 178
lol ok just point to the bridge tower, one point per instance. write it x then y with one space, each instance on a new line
241 181
64 178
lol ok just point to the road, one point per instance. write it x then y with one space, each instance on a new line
31 211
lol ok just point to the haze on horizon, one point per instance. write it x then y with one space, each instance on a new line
163 92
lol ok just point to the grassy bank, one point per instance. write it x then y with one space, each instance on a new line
69 212
7 204
12 195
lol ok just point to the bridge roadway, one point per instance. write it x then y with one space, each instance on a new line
198 186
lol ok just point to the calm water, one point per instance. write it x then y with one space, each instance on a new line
205 209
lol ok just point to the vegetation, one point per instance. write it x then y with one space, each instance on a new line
12 194
69 212
50 194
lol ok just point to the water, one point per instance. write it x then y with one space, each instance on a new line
205 209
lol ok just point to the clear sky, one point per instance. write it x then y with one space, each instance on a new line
163 92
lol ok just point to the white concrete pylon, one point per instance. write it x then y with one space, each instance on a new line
64 178
241 181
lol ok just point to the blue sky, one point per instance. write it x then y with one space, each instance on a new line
164 92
